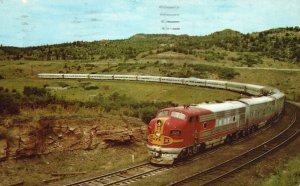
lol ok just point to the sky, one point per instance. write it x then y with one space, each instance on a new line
39 22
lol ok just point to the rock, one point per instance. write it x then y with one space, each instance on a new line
3 149
72 129
103 132
119 138
27 146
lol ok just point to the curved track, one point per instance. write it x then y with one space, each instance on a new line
226 168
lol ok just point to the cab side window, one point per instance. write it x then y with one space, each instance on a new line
192 119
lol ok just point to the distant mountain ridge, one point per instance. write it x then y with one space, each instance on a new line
280 44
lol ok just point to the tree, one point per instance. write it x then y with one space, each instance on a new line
297 55
8 105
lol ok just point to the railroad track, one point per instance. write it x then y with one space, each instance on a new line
133 173
123 176
220 171
137 172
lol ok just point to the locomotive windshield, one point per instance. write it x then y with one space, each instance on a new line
178 115
163 113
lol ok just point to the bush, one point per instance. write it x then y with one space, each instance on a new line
227 73
201 70
147 113
143 110
38 97
62 84
9 104
29 91
91 88
1 77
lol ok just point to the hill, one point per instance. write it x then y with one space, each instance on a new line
282 44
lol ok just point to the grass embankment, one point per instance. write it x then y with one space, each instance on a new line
288 175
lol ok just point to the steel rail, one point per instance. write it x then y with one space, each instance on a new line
109 174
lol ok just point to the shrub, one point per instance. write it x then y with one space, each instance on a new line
147 113
62 84
91 88
227 73
28 91
9 104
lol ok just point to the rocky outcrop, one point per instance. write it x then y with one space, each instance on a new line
118 137
3 149
49 136
27 146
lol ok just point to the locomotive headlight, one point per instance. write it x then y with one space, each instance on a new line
157 134
175 132
158 123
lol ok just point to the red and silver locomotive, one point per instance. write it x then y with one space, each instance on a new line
183 131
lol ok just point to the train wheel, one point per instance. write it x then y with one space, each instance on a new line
183 154
244 133
228 139
202 147
236 135
252 129
190 151
195 149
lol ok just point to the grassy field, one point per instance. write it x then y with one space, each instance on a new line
287 81
18 74
139 91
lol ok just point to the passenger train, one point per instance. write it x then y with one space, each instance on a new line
182 131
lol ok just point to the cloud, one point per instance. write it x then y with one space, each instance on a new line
113 19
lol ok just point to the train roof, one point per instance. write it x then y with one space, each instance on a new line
147 76
277 94
49 74
256 100
189 110
219 107
254 86
215 81
125 75
76 74
236 83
